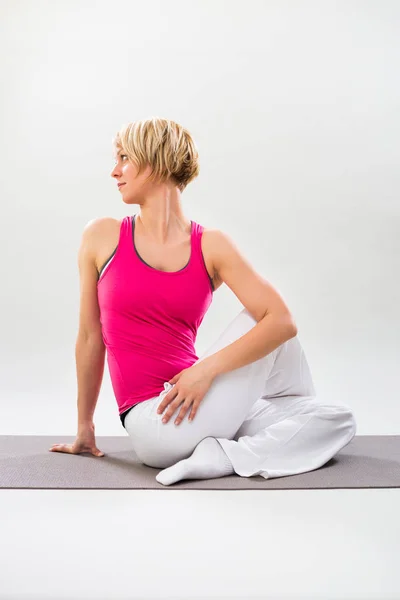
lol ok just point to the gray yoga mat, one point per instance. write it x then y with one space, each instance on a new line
368 461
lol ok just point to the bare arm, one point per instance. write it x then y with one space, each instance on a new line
275 323
90 348
89 355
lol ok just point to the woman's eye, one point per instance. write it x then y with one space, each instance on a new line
121 155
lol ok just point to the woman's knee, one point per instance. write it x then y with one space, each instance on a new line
340 412
158 456
152 458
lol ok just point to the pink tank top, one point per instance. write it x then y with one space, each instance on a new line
150 318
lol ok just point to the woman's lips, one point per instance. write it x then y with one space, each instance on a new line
120 185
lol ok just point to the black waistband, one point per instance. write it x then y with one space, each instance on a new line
122 416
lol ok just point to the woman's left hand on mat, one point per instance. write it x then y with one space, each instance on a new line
191 385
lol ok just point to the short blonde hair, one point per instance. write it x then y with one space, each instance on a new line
166 146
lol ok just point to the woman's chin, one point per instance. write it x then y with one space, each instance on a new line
128 200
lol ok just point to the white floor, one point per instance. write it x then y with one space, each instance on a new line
317 544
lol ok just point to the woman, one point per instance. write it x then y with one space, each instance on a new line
248 405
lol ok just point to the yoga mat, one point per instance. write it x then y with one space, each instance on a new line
368 461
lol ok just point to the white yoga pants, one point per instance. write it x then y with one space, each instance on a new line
265 416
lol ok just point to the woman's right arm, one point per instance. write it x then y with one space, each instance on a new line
90 359
89 349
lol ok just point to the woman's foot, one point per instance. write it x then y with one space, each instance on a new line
208 461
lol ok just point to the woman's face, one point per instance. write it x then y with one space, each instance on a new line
125 173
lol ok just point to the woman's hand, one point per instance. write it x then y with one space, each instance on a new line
85 442
191 385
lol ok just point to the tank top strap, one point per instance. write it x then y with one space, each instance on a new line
197 232
125 237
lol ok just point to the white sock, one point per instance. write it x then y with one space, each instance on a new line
207 461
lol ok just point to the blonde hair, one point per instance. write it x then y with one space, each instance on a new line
166 146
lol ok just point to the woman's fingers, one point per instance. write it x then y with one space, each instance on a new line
71 449
183 411
60 448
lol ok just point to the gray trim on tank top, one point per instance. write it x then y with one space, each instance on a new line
143 261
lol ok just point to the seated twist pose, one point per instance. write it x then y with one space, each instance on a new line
248 405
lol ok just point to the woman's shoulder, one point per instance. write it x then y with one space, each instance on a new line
102 236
